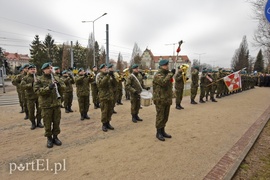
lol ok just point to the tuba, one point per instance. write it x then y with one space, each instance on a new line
184 68
126 73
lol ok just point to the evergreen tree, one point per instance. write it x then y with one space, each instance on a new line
50 49
135 57
38 56
259 63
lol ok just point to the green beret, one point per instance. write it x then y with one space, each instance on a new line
81 69
210 70
20 69
196 67
110 65
204 71
25 66
134 66
101 66
64 72
45 65
31 66
219 69
163 62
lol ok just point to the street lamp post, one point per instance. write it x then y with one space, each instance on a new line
94 53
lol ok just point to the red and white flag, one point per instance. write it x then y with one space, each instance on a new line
233 81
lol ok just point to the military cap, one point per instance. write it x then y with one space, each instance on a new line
64 72
45 65
102 66
219 69
81 69
110 65
196 67
31 66
134 66
56 68
25 66
204 70
210 70
20 69
163 62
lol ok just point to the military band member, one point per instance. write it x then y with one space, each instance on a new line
210 89
119 90
68 79
135 86
194 84
110 70
162 97
27 84
50 103
106 83
82 81
203 82
58 75
94 89
179 87
16 81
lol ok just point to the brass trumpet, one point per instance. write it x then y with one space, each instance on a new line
184 68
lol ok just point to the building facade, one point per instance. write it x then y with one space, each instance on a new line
16 60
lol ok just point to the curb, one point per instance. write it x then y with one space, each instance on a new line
229 163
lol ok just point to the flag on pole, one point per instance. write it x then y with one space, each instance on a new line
233 81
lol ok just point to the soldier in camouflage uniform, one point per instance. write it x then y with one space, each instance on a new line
194 84
58 75
110 69
82 81
135 86
220 83
16 81
203 82
94 89
32 98
179 88
68 79
106 83
119 89
50 104
162 97
209 90
25 70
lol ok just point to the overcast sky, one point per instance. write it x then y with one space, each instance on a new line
211 29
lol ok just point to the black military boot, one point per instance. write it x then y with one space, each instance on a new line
159 135
86 116
181 106
104 127
69 109
56 141
201 100
33 125
66 110
109 126
213 100
114 112
49 142
26 115
134 119
120 103
193 102
22 111
82 116
95 105
165 134
178 106
138 118
39 124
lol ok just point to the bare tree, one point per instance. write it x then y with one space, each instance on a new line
136 53
241 57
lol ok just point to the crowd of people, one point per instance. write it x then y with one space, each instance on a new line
42 97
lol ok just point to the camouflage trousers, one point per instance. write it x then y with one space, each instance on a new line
119 94
32 105
106 107
202 92
179 95
163 111
51 119
84 103
193 92
20 97
95 95
209 90
68 97
135 101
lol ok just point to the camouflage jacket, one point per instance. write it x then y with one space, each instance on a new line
27 85
179 81
162 87
68 82
132 84
47 97
83 85
203 80
94 84
194 79
106 85
16 81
